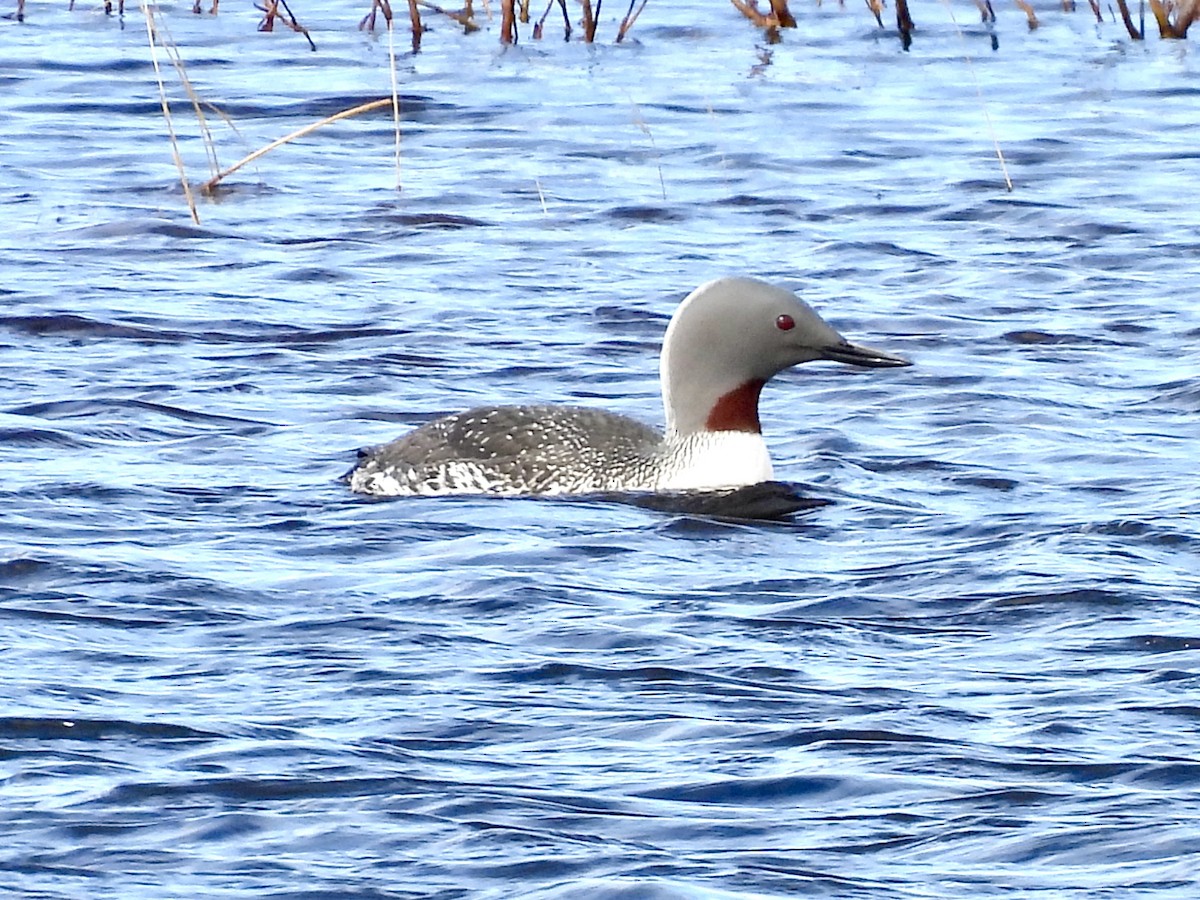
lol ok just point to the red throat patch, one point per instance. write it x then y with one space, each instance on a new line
737 410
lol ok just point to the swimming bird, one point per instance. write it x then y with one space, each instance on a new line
726 340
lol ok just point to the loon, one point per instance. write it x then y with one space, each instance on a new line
726 340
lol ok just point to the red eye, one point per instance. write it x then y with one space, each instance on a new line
785 323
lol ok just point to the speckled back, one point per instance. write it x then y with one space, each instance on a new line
515 450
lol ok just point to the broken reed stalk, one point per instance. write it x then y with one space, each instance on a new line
1165 28
749 9
640 122
508 22
385 7
1024 6
206 136
630 17
211 184
466 18
296 26
783 15
876 7
166 108
987 116
986 13
271 12
107 7
539 27
1128 20
904 23
414 20
1185 14
589 22
396 89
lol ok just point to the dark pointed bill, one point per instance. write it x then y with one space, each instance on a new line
858 355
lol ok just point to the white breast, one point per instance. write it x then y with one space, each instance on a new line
715 459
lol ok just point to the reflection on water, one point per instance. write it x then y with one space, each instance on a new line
970 674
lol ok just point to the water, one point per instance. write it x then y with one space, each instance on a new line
975 675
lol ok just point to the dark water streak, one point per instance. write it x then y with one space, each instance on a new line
973 674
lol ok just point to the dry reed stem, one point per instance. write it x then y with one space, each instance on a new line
166 108
987 116
630 17
367 23
107 7
1128 20
271 13
414 21
1096 10
783 15
640 122
209 185
904 23
876 8
523 12
396 92
167 43
539 27
749 9
1030 14
1185 13
1165 28
463 17
508 22
589 21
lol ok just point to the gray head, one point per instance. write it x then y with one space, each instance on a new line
728 338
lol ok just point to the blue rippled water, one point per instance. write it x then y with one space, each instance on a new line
974 675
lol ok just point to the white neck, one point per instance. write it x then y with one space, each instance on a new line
710 460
